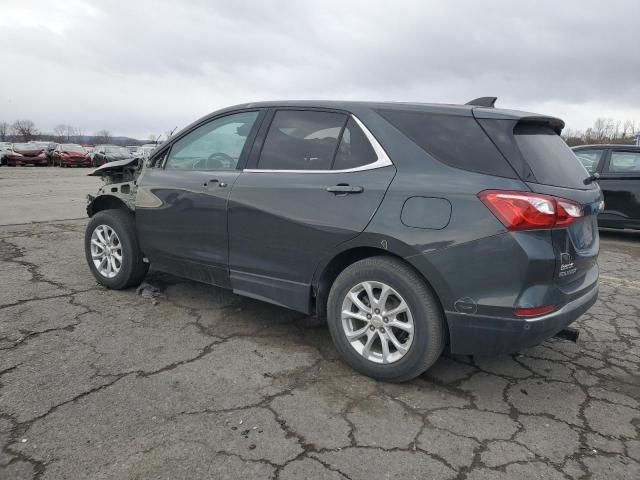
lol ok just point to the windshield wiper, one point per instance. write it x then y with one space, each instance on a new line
591 178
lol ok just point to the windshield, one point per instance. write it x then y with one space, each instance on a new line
71 147
25 147
117 151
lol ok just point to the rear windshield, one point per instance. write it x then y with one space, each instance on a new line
550 159
455 140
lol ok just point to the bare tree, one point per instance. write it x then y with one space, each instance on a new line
70 132
604 130
25 129
4 131
59 131
103 136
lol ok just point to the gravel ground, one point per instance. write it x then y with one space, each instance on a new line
201 383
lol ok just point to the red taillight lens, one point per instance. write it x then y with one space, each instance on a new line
528 211
534 311
568 211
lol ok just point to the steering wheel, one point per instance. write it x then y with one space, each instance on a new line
216 161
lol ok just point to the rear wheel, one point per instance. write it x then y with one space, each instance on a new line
112 251
384 320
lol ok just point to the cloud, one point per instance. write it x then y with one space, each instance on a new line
141 67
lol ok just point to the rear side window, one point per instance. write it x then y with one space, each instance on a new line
455 140
624 162
301 140
354 150
550 159
589 159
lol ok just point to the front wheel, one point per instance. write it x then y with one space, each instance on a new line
112 251
384 319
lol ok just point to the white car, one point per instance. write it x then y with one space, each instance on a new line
5 147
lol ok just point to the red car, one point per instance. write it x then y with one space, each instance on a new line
70 155
26 154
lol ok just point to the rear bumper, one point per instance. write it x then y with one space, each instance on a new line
476 334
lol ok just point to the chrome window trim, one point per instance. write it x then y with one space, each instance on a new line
383 159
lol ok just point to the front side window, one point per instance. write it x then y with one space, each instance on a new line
301 140
624 162
589 159
216 145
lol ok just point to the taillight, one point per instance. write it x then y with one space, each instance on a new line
529 211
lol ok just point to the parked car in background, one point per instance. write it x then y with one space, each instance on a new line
26 154
41 144
409 226
619 170
5 147
109 153
48 151
144 151
89 149
71 155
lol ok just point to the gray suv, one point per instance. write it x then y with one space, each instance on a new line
411 227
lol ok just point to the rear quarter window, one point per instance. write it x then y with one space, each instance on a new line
589 159
624 162
550 159
455 140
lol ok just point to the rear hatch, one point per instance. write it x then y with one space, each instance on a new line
541 158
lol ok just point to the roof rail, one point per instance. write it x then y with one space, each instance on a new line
483 102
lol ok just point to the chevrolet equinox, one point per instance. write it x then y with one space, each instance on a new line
411 227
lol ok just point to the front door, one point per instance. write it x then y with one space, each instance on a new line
316 183
181 204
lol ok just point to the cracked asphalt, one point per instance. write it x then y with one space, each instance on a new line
201 383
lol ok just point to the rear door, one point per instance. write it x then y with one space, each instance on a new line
620 182
316 179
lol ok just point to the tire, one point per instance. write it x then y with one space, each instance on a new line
132 267
429 334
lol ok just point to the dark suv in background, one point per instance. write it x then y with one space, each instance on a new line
619 170
409 226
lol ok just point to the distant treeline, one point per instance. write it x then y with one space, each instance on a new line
604 130
26 131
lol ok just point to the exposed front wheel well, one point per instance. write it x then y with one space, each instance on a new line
106 202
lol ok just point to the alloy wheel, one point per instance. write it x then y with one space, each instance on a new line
106 251
377 322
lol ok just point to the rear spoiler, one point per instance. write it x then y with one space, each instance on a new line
520 117
488 102
551 122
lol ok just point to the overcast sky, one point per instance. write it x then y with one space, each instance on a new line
141 67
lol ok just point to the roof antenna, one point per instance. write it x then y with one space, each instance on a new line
488 102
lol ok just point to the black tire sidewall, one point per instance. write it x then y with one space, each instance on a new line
426 314
124 228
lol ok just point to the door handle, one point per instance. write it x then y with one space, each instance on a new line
215 180
344 189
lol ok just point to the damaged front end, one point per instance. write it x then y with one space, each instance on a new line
120 185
